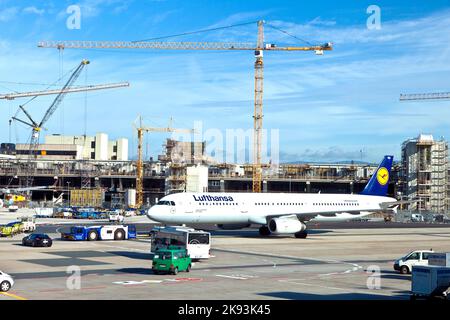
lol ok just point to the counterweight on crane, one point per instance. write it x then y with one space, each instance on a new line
259 48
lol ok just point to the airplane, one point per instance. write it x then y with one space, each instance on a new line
277 213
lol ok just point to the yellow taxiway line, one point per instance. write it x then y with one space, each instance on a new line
12 295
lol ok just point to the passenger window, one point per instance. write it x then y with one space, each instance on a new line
425 255
414 256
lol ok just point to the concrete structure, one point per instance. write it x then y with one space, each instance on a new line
50 151
197 178
425 173
96 147
178 155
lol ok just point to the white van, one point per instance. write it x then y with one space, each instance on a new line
414 258
115 217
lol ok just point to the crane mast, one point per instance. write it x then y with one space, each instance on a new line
258 110
140 163
259 48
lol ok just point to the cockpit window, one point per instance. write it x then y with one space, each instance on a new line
166 203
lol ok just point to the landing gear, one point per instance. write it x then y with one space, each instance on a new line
264 231
302 234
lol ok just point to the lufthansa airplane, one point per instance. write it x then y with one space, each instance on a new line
277 213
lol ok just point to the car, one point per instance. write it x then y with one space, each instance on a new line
37 240
417 217
116 217
6 282
171 260
414 258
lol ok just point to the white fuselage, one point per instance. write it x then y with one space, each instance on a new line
257 208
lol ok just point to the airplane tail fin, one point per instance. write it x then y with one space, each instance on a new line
379 182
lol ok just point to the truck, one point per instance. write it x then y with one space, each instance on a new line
105 232
414 258
430 281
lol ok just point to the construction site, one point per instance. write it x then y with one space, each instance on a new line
196 150
94 171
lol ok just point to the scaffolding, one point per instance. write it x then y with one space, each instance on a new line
425 173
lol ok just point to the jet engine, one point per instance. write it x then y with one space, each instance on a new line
285 225
233 226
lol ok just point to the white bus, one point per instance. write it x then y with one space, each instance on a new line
196 242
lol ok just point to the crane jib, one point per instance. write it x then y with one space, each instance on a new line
173 45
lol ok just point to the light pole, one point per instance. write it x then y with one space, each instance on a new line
68 191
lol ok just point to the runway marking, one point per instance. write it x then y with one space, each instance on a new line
52 290
122 248
168 281
12 295
237 276
127 283
93 288
333 288
355 267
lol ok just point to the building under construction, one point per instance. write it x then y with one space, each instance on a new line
425 174
184 166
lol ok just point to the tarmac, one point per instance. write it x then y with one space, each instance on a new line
336 261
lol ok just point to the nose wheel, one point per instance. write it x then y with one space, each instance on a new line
264 231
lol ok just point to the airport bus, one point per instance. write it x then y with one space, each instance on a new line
196 242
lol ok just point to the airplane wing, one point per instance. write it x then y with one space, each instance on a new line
394 204
303 216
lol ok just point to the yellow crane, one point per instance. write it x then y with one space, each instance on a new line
258 66
139 164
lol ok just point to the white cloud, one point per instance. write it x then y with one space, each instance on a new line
8 14
34 10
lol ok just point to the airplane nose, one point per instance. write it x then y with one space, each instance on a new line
153 214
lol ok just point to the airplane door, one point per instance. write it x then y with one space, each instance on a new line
243 208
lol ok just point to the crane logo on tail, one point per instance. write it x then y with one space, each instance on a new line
382 176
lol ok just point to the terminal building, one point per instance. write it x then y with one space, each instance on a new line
96 147
58 147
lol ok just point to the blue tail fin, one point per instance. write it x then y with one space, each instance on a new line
379 182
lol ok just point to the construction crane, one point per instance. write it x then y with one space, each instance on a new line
258 66
139 164
37 127
425 96
14 95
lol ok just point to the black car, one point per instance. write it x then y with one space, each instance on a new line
37 240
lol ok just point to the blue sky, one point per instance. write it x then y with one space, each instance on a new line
326 108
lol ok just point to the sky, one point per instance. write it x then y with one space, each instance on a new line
341 106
